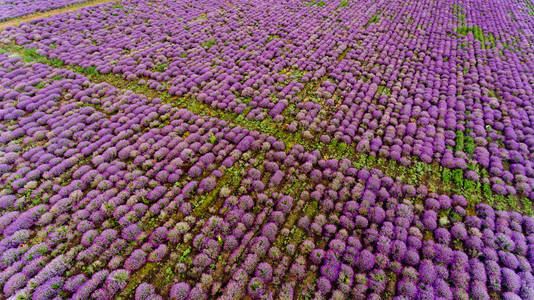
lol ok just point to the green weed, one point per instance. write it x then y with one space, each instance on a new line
209 43
117 5
161 67
478 34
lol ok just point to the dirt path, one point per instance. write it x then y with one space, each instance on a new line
40 15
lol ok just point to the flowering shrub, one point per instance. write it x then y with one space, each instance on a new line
109 193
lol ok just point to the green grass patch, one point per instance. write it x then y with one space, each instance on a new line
459 141
458 12
209 43
469 144
161 67
117 5
478 35
316 3
343 3
374 19
89 70
269 39
40 85
383 90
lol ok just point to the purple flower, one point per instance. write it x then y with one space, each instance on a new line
117 280
425 292
26 219
378 215
378 280
528 223
100 294
303 222
131 232
136 260
508 259
33 267
459 200
230 243
158 254
346 274
432 204
477 270
361 222
407 288
427 273
442 236
511 296
323 285
202 261
443 289
366 260
158 236
316 256
478 290
298 270
144 291
270 230
156 193
14 283
264 271
510 280
337 245
255 287
398 250
49 289
474 243
330 270
444 202
73 283
458 231
493 272
179 291
527 292
411 257
56 267
276 179
285 204
106 237
472 221
286 291
207 184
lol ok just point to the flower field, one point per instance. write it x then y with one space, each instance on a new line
19 8
334 149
